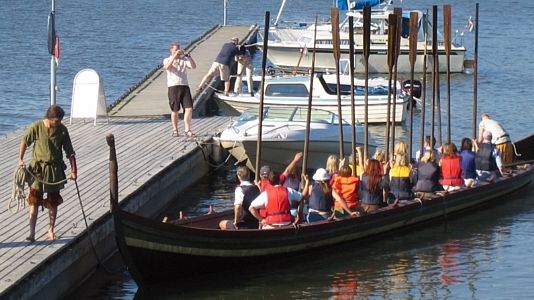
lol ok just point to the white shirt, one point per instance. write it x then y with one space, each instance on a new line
239 196
261 200
498 134
177 72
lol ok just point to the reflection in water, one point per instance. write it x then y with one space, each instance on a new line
449 262
344 285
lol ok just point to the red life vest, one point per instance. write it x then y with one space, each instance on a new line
451 171
278 208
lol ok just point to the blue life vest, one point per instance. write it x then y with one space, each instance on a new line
319 200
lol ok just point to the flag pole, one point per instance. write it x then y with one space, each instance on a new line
51 46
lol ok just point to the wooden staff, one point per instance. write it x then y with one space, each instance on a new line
447 36
434 71
475 77
308 114
413 58
352 108
398 12
334 12
423 88
262 95
392 45
366 53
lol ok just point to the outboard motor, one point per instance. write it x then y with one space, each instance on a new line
406 87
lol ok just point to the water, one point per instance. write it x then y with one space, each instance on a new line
483 255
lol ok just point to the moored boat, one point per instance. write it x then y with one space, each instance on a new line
283 135
156 251
291 48
287 91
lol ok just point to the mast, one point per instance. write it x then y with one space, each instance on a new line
51 47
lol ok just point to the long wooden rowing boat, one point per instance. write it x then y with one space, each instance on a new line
154 251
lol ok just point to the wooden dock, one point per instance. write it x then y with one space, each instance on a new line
153 168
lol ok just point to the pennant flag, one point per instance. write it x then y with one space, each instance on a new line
57 51
51 33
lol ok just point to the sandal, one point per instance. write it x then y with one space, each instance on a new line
175 133
189 133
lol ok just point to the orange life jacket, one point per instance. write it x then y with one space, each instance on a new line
451 171
278 207
347 188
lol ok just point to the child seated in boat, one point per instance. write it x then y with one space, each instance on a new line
371 188
427 175
487 159
469 170
401 178
451 168
332 167
380 155
345 192
320 201
290 177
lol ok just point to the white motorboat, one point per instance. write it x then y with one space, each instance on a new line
291 48
293 91
283 135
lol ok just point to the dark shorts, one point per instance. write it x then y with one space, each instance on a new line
179 96
241 225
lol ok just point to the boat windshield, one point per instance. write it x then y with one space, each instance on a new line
290 114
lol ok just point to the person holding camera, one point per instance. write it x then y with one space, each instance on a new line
176 66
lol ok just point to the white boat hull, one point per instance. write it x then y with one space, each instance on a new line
287 58
377 110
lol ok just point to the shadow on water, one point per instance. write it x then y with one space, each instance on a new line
433 261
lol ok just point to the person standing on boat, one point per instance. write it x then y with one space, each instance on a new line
244 65
500 138
222 65
487 159
50 139
176 66
243 196
276 201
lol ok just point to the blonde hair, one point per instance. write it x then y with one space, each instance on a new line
401 154
332 164
428 156
380 155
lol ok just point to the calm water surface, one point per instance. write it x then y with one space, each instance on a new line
483 255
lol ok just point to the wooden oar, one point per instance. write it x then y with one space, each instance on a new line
434 71
447 36
438 85
262 95
308 114
366 53
352 108
335 41
398 12
392 46
413 58
423 88
475 77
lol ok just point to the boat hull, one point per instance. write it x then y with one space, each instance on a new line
377 110
287 58
156 251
